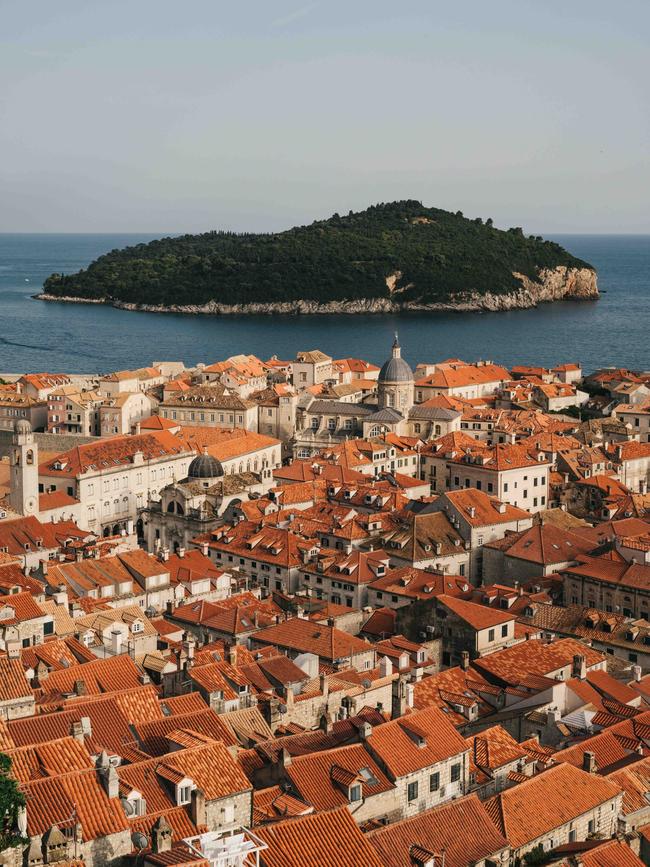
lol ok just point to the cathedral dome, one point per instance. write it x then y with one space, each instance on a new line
396 369
205 467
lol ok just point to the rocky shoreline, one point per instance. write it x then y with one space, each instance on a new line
554 284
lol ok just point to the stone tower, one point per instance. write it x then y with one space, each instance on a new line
395 382
24 470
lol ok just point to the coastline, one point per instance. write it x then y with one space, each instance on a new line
555 284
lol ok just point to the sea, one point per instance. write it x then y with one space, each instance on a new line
38 336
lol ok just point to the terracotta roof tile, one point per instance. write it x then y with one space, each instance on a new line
322 778
329 839
397 743
553 798
462 829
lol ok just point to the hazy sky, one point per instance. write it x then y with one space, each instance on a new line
152 115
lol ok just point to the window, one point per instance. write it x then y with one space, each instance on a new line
455 773
434 782
505 487
412 791
491 635
48 628
573 835
504 630
592 826
355 792
184 794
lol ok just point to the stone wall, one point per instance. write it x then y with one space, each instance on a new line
46 442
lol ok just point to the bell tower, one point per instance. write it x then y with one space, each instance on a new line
24 470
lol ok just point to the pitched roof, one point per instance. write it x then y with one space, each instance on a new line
113 452
477 616
327 642
75 796
416 741
530 810
210 767
152 735
544 543
494 747
462 829
535 657
322 778
13 685
329 839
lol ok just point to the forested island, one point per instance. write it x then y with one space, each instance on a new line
389 257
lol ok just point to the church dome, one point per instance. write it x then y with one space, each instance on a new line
396 369
205 467
22 426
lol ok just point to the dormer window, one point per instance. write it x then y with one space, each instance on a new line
355 793
137 626
184 791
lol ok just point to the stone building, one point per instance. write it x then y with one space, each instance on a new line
194 505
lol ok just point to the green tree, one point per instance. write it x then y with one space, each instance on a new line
11 801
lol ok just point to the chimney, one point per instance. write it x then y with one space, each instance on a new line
324 686
181 553
589 762
464 660
161 836
138 429
197 807
165 555
116 642
637 672
552 716
385 667
205 549
110 781
410 692
330 622
579 666
365 730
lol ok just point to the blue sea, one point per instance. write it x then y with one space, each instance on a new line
40 336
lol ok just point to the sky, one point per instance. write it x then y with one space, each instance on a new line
159 116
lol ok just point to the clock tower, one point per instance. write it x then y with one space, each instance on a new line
24 470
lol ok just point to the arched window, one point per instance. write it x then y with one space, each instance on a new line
171 507
179 509
30 457
375 430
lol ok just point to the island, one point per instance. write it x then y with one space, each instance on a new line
391 257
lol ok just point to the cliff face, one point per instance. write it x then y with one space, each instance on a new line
554 284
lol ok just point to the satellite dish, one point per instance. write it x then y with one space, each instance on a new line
139 840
